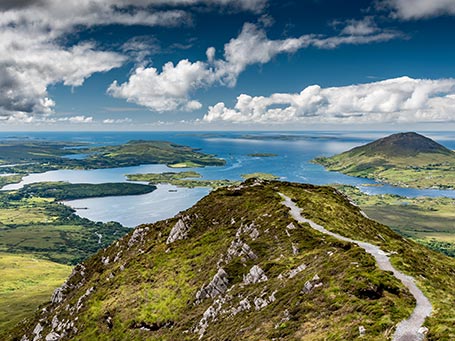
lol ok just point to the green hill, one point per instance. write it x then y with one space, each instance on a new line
404 159
238 266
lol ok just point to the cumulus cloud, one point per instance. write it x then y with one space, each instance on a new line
171 88
166 90
417 9
33 54
364 26
394 100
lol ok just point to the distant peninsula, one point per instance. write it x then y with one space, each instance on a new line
21 157
403 159
262 155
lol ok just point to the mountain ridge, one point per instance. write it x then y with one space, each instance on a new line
238 266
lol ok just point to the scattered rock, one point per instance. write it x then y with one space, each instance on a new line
243 306
178 232
218 285
55 322
138 235
311 284
52 336
57 296
238 248
291 226
256 275
209 315
254 234
285 319
295 250
37 331
262 302
85 295
297 270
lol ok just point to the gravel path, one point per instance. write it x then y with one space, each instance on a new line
407 330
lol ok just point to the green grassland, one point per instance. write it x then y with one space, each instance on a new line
45 228
191 179
154 284
430 221
26 282
40 238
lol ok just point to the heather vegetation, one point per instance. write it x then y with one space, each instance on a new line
158 282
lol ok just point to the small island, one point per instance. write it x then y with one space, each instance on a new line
404 159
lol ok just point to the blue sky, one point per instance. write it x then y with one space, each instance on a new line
227 64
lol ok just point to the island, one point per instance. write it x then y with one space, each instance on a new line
404 159
191 179
68 191
19 158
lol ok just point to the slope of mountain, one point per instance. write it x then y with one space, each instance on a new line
404 159
238 266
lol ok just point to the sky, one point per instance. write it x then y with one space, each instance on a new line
227 65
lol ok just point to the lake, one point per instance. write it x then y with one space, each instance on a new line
294 151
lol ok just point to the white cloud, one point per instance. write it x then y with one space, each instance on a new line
365 26
167 90
171 89
33 55
117 120
394 100
417 9
77 119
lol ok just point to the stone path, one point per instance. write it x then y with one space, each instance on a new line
407 330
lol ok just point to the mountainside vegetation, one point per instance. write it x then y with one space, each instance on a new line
237 266
404 159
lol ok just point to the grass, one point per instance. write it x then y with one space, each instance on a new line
50 230
430 221
25 283
154 285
